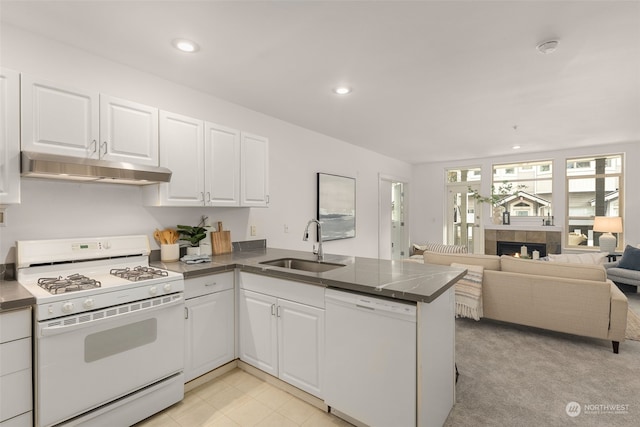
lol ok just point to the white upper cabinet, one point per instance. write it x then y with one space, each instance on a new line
222 174
9 136
128 131
212 165
182 151
58 119
254 189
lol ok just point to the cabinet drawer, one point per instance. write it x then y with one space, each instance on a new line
205 285
15 325
15 390
304 293
24 420
15 356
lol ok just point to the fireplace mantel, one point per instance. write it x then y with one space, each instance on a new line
523 227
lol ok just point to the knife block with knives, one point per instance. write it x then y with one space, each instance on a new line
220 241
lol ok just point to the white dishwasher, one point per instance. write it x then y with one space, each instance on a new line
370 365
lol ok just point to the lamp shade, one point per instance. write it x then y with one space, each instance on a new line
607 224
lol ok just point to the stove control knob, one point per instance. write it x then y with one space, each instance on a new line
167 287
153 291
67 307
88 303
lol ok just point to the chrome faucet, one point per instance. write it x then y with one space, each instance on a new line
305 237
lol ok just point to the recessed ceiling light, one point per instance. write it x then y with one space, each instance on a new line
548 47
342 90
186 45
516 147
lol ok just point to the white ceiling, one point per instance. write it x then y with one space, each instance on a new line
432 80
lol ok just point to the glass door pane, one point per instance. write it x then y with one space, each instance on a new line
463 218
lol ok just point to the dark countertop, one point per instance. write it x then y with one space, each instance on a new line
401 280
14 296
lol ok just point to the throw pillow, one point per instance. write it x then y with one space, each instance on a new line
468 292
590 258
440 248
630 258
419 249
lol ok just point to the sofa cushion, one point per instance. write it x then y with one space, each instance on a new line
587 258
554 269
624 276
489 262
630 258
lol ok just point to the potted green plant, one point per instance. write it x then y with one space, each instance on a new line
193 235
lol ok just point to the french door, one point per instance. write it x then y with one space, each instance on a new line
463 218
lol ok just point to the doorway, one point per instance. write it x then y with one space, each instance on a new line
464 218
392 219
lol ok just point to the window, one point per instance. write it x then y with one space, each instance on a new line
463 175
594 188
525 187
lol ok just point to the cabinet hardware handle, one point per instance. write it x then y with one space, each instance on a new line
186 313
103 144
202 196
273 309
94 144
208 197
267 199
210 284
278 312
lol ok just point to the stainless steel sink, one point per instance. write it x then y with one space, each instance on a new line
303 264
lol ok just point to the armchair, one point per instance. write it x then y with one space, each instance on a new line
627 276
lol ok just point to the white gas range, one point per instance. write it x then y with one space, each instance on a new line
108 330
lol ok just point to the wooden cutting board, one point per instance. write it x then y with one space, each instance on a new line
220 241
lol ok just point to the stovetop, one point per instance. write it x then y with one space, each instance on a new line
70 276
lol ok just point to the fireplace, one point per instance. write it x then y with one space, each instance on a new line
512 248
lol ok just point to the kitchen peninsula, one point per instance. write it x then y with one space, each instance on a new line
425 289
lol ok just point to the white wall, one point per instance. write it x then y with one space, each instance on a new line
62 209
428 195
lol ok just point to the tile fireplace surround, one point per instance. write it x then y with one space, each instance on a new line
542 235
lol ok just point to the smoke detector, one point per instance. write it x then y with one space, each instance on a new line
548 47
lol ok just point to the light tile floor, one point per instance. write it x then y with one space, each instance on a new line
240 399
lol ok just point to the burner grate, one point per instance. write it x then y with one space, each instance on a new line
138 273
74 282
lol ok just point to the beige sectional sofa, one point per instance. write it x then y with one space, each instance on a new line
565 297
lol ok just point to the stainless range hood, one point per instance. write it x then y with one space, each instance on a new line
52 166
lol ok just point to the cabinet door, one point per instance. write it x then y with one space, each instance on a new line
258 331
58 119
9 136
254 167
128 131
209 333
222 166
182 151
301 345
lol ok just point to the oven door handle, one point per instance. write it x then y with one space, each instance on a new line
47 331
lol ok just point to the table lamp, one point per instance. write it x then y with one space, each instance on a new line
607 225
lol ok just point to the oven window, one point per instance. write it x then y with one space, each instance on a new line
118 340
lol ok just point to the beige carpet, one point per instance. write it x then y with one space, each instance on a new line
633 326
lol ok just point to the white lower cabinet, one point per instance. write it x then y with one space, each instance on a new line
282 329
15 368
209 323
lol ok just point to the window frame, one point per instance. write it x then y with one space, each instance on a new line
581 176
